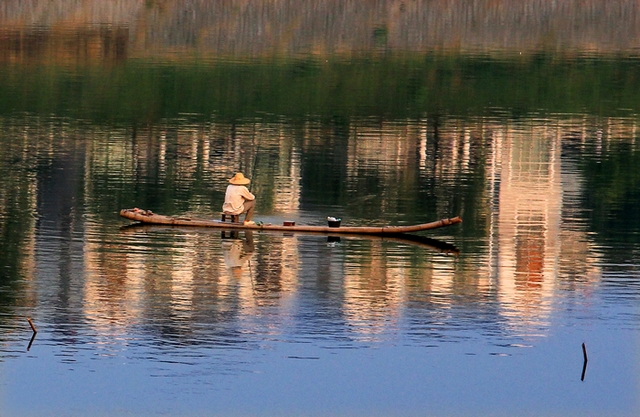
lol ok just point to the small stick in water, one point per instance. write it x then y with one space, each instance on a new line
32 326
584 365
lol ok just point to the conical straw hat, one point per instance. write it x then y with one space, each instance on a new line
239 179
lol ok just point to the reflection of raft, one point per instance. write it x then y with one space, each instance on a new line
405 238
146 216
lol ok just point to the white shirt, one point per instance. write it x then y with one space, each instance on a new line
234 199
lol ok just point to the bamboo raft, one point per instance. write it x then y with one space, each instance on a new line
148 217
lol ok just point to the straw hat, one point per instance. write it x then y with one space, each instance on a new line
239 179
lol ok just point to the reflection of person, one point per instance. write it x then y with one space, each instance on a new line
238 199
237 252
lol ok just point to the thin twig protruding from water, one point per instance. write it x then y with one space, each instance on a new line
32 326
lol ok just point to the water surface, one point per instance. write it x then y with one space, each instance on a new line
537 152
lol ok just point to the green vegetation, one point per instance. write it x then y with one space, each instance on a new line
394 87
148 93
612 196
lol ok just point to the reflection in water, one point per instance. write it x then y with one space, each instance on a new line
380 113
215 302
530 244
533 251
238 251
528 227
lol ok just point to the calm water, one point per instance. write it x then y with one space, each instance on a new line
357 112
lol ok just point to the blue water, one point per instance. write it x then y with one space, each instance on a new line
363 112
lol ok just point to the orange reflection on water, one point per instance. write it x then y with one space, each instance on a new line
373 292
536 243
527 232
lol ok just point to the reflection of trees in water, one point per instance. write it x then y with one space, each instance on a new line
275 272
461 152
268 272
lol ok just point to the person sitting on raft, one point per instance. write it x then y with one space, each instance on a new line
238 199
